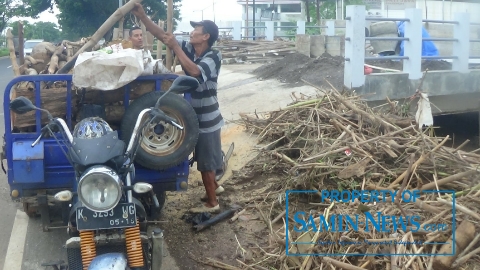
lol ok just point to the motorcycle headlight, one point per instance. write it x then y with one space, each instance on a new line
99 189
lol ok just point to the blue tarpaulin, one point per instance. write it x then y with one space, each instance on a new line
428 47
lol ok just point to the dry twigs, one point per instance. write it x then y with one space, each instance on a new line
337 142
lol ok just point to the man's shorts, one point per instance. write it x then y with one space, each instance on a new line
208 151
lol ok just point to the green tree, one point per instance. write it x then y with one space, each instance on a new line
80 18
322 10
26 27
83 18
326 9
21 8
47 31
39 30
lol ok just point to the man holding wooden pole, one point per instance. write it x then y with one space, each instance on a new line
199 60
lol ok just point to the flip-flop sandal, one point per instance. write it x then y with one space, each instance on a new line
218 191
205 209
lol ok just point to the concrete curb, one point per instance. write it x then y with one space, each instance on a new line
1 57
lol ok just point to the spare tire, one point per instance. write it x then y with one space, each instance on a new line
163 146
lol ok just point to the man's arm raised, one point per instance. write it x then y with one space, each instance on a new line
151 27
188 65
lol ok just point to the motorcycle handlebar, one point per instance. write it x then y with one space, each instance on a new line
65 128
135 129
53 122
134 133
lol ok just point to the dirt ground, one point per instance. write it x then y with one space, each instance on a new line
297 69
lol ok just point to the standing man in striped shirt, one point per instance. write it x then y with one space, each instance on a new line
199 60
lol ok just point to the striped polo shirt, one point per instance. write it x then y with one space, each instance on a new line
204 99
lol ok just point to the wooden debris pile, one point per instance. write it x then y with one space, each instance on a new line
46 58
336 142
255 51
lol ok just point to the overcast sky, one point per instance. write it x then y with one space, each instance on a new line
225 10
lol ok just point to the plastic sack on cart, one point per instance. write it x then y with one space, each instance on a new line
107 69
153 66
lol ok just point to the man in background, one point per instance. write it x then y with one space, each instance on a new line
151 65
136 37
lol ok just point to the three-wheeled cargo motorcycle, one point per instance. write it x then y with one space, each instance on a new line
108 185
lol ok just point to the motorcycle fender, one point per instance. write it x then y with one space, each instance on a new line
109 261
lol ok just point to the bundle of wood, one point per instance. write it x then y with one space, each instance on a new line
336 142
234 51
48 59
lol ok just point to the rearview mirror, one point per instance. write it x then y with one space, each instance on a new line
22 105
183 84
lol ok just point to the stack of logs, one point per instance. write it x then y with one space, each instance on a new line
46 58
259 51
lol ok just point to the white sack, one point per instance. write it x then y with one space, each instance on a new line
152 66
424 114
107 71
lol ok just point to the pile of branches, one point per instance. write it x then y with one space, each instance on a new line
337 142
48 58
234 51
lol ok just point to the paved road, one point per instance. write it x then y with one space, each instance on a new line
24 245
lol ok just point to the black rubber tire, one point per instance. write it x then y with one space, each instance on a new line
177 147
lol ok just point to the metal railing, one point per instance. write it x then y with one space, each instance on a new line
412 58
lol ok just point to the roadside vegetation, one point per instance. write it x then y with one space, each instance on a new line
4 52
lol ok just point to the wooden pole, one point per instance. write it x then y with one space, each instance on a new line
13 57
120 29
20 43
16 70
120 23
169 30
307 9
145 39
161 24
247 30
